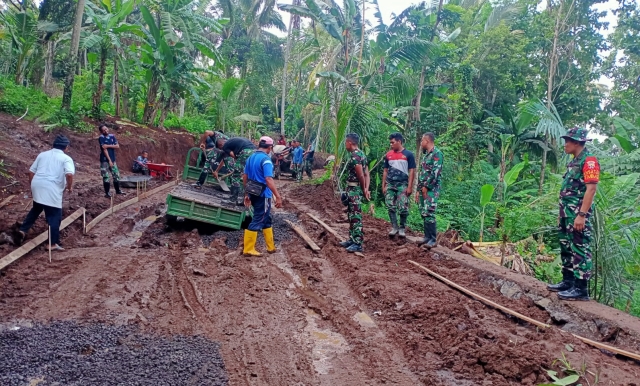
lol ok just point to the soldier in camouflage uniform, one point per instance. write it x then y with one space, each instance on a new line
397 181
357 187
429 187
239 149
574 221
218 139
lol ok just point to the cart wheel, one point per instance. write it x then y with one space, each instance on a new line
171 219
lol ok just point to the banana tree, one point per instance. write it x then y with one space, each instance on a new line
108 26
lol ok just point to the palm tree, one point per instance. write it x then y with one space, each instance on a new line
73 56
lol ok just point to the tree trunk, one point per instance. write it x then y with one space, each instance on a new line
182 104
553 64
284 77
48 68
152 94
73 56
116 81
97 96
317 145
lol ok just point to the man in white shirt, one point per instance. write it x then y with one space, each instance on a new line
51 172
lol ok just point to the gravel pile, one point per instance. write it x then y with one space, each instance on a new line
65 353
281 232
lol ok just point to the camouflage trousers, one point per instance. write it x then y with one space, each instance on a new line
105 169
428 205
354 214
307 166
395 199
297 169
237 169
575 247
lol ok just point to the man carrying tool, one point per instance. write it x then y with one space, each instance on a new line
308 160
574 220
51 172
357 187
216 139
108 144
428 191
296 163
257 180
397 181
239 149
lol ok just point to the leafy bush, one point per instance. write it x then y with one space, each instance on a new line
194 124
15 100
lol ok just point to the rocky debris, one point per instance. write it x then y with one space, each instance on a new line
65 353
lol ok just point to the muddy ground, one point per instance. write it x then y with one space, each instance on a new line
297 317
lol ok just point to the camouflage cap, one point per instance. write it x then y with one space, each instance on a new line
577 134
218 135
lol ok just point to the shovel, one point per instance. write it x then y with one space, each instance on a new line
223 185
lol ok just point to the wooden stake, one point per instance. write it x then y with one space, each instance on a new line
84 221
325 226
49 244
304 236
593 343
112 204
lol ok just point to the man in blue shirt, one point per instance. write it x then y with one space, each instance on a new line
296 164
108 144
258 170
140 164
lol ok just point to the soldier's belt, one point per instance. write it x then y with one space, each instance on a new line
353 184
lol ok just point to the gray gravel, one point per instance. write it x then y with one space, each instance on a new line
65 353
281 232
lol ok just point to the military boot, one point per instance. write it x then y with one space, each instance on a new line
566 284
394 224
233 199
433 233
578 292
346 244
107 187
116 186
403 223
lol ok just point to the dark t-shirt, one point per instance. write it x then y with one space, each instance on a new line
310 155
398 165
110 139
235 145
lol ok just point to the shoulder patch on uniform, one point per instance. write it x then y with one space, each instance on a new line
591 170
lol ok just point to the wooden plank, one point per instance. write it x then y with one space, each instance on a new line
304 236
6 200
593 343
42 237
327 227
159 188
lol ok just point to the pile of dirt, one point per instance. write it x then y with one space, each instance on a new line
319 197
67 353
232 239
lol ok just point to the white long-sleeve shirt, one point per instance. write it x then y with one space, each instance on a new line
48 183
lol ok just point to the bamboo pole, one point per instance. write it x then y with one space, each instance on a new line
590 342
304 236
325 226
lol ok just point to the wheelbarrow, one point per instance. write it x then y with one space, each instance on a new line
161 171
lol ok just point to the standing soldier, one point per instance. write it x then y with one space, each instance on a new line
397 181
108 144
574 221
239 149
357 187
298 154
308 160
429 187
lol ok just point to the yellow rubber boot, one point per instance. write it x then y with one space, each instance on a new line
250 238
268 239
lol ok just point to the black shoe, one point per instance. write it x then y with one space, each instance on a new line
19 237
354 248
430 233
106 187
566 284
578 292
121 193
107 195
346 244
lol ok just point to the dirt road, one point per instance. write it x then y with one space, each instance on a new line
298 317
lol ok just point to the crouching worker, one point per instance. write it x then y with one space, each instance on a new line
260 190
51 172
140 164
